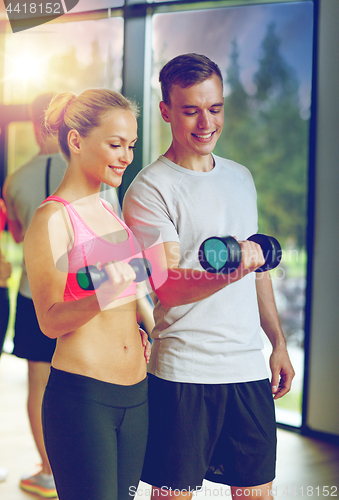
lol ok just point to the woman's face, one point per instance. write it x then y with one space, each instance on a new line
108 150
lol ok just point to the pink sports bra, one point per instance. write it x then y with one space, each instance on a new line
89 249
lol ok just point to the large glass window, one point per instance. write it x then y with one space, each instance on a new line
58 57
265 55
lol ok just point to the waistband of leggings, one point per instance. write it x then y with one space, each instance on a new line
114 395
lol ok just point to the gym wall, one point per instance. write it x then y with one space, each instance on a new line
322 397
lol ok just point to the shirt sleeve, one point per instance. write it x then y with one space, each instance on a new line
9 200
146 205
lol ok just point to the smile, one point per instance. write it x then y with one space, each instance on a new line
206 136
117 170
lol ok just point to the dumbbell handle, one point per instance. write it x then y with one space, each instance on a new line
90 277
223 255
271 250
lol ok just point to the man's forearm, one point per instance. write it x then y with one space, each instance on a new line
280 364
269 318
185 286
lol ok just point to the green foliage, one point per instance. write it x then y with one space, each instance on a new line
291 401
237 102
274 77
266 133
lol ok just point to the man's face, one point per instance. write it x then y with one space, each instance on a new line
196 115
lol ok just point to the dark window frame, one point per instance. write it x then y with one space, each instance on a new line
136 72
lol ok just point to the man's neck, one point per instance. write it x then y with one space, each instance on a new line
49 150
197 163
48 145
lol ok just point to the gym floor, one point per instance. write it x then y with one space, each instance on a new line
306 467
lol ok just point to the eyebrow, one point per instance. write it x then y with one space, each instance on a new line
189 106
123 139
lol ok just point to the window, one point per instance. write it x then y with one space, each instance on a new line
264 51
72 57
88 5
65 56
265 55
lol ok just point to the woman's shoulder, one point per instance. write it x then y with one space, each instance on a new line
46 210
47 219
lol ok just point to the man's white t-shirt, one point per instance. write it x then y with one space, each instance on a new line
215 340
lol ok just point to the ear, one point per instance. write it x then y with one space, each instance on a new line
164 110
74 141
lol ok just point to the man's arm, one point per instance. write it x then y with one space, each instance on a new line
15 228
184 286
5 270
14 225
280 364
145 211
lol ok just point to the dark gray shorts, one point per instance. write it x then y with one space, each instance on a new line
29 341
225 433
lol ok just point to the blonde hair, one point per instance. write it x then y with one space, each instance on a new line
82 113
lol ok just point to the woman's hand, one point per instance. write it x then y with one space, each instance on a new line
120 276
146 343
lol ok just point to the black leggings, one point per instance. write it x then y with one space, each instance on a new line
95 435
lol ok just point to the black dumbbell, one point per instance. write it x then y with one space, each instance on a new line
223 255
90 277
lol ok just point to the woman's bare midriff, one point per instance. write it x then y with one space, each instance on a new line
107 348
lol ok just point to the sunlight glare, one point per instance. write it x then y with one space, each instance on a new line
28 67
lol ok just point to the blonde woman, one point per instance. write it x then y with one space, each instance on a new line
95 410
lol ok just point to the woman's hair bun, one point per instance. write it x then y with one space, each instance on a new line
55 114
82 113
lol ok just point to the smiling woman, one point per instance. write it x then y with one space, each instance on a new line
100 356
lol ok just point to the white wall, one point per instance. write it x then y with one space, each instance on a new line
323 396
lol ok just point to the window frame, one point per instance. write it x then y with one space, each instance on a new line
136 74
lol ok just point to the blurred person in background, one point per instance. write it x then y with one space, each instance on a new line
5 272
24 191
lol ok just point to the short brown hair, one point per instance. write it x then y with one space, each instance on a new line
186 70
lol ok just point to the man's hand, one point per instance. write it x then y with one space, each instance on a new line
282 372
146 343
251 256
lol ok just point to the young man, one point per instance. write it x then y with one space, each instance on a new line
211 404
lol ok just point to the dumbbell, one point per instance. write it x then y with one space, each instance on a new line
223 255
90 277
